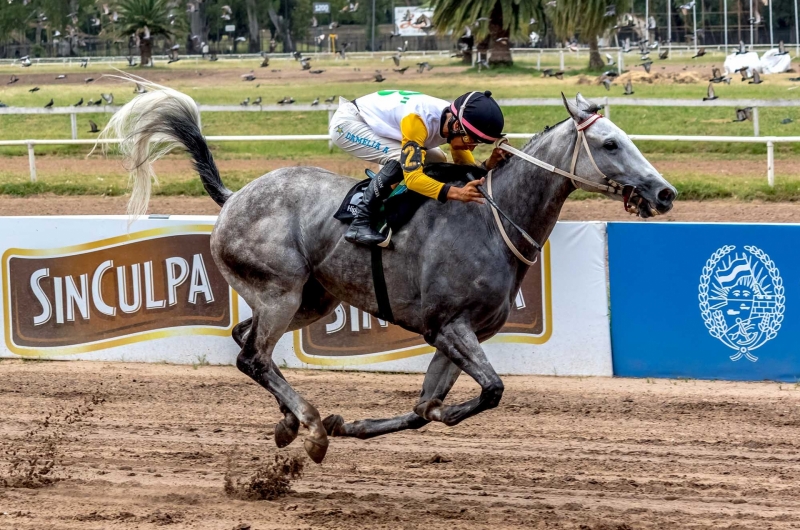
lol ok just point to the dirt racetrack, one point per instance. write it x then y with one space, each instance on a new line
582 453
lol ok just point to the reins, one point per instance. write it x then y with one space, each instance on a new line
612 187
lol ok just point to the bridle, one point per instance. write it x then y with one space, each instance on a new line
610 186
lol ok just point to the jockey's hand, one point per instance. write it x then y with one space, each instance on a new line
469 193
497 156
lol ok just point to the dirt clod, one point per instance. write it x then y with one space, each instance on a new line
267 482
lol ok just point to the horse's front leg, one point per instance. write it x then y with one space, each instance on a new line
459 342
439 379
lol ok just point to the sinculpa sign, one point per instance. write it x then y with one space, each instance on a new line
115 291
94 288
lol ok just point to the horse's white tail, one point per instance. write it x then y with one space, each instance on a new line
152 125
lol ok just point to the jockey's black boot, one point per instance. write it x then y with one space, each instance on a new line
361 231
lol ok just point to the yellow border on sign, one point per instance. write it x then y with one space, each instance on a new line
119 341
519 338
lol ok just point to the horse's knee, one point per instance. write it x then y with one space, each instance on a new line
492 394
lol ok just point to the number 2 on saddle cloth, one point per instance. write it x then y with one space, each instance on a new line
402 203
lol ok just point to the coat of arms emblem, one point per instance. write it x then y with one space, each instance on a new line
742 299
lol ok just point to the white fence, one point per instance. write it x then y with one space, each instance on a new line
607 102
770 142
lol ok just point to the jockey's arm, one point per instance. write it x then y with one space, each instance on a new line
463 157
412 158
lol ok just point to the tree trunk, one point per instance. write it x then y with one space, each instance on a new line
252 24
199 27
595 61
499 44
146 51
282 28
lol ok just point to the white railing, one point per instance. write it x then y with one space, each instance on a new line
330 108
770 142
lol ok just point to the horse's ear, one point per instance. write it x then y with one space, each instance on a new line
572 108
583 103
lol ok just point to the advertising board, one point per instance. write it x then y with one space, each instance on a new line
708 301
413 21
95 288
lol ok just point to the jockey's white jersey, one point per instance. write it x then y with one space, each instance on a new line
384 110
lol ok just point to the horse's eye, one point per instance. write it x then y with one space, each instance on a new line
610 145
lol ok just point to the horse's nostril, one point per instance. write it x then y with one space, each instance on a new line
666 195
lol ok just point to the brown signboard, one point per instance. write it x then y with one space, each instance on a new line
350 336
116 291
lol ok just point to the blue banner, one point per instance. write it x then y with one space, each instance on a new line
706 301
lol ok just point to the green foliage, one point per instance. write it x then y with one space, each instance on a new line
456 14
153 14
585 18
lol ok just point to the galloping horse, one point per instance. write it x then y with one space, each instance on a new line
451 277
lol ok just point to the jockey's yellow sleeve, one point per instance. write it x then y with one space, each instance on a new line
412 157
463 157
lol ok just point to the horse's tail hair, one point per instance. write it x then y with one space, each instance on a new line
150 126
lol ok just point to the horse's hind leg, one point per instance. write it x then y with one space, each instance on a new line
269 323
439 379
459 343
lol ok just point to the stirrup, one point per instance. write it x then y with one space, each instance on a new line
388 241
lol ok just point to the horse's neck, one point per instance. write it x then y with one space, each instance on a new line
531 196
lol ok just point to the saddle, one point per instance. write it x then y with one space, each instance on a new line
401 205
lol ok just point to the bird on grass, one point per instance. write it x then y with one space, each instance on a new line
664 54
173 55
25 61
330 99
50 104
743 71
94 128
88 80
396 59
700 52
61 76
756 78
315 102
131 61
646 65
84 62
248 77
34 89
14 79
305 63
265 62
139 89
257 101
425 65
400 70
315 71
744 114
79 103
781 49
286 101
109 98
379 77
607 83
742 50
245 102
628 88
786 121
710 95
609 60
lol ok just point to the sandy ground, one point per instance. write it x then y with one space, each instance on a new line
582 453
588 210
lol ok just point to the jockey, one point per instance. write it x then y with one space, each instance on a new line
403 130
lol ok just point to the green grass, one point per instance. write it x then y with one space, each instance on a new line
220 84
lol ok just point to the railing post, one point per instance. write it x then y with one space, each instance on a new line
755 121
73 118
561 54
607 108
771 163
330 117
539 60
32 161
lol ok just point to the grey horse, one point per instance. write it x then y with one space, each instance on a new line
450 278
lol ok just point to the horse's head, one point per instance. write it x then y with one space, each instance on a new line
644 191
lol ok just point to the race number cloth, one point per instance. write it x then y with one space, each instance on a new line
708 301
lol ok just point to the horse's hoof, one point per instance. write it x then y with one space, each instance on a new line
284 435
430 410
316 449
334 425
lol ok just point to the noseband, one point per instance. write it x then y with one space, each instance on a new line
611 186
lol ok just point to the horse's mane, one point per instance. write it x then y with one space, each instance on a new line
536 137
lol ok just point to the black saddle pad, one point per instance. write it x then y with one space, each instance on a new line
398 210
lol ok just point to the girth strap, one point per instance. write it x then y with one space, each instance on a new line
379 282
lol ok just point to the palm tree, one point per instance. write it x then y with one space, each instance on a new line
148 19
494 22
589 19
